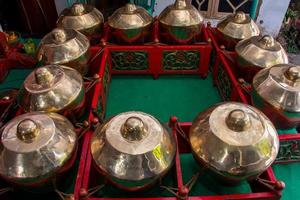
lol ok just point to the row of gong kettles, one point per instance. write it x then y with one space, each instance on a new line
133 149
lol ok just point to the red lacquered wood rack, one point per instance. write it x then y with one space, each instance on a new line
103 63
12 57
82 127
289 143
267 187
163 59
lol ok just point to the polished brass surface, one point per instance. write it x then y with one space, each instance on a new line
260 51
236 27
130 23
293 74
276 91
181 13
235 141
180 21
241 17
237 120
78 9
51 88
65 46
59 36
133 150
27 130
44 77
267 42
81 17
134 129
35 146
279 86
130 17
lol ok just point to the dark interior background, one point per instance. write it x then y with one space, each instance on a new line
38 17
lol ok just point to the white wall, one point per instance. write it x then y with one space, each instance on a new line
272 13
160 5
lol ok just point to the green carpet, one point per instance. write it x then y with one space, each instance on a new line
206 184
14 79
290 174
184 97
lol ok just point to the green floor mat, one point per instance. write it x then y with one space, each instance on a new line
110 191
14 79
206 184
287 131
289 173
183 96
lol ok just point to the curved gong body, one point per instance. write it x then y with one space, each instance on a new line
180 23
234 141
65 47
234 28
130 24
35 148
131 36
53 88
257 53
81 17
133 150
276 91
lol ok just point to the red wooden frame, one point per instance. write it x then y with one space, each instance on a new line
97 100
80 152
260 191
86 172
12 57
227 58
155 52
